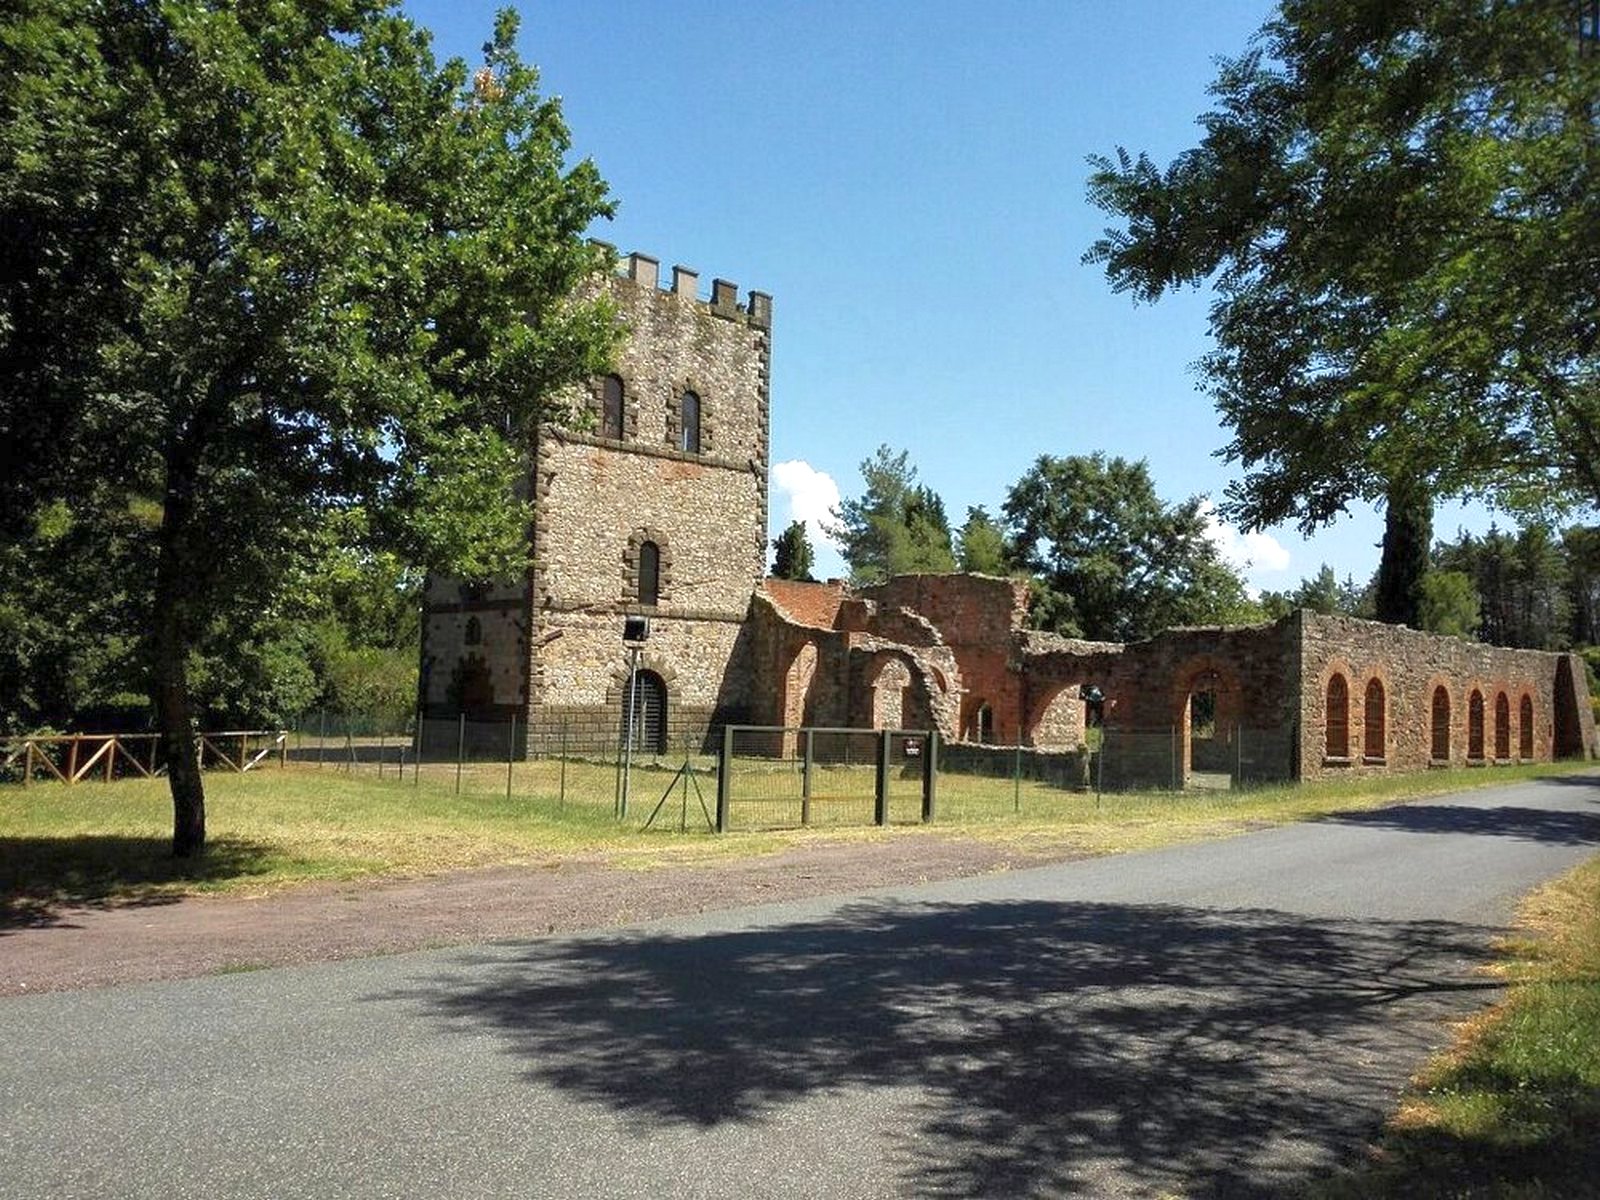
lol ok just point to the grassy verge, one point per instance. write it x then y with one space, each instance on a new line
1513 1111
99 842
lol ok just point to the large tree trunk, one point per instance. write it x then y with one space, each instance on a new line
1407 540
169 651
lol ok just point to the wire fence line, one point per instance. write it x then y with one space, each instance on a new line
709 777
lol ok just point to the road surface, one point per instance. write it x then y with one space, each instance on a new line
1220 1019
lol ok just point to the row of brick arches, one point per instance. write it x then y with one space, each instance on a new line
1375 723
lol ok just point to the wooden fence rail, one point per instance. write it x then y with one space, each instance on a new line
70 757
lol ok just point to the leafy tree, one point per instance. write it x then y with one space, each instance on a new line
267 265
1399 206
1112 561
1581 548
792 553
1521 585
1449 603
897 526
981 544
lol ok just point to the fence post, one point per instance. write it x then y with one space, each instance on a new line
930 775
725 779
881 800
72 760
1016 776
511 753
563 798
322 734
111 759
27 763
381 737
416 762
461 747
807 761
283 750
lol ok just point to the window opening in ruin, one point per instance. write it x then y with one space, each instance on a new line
1475 725
474 634
1337 718
649 573
985 724
644 709
1502 726
1441 724
1373 732
611 408
689 423
1203 715
1525 730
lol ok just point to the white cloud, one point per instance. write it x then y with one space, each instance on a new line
811 496
1253 554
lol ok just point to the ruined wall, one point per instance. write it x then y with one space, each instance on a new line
1409 667
978 617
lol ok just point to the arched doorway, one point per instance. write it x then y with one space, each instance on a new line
644 713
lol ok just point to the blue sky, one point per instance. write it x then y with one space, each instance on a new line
907 180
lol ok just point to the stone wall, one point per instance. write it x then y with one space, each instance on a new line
1410 668
598 500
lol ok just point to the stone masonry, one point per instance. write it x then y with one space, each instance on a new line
650 500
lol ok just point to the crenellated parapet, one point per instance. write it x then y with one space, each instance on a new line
644 271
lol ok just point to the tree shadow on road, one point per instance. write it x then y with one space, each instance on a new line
1223 1054
1512 821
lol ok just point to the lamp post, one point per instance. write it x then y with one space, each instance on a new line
635 632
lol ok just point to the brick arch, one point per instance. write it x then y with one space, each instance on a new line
797 699
1203 672
1527 724
1376 701
630 565
892 679
1475 712
1439 735
1502 722
648 661
1055 716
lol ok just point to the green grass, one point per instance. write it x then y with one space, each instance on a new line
99 843
1512 1112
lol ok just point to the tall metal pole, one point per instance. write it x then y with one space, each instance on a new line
511 752
461 747
627 740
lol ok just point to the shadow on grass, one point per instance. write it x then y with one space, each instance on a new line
1019 1048
1528 824
40 876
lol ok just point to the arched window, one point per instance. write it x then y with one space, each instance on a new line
1338 718
1441 724
1525 728
1502 726
474 634
1373 738
649 573
611 408
644 713
982 724
689 423
1475 726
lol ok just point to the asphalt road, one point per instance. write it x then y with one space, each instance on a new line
1213 1020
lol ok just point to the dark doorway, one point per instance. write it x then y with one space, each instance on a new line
644 710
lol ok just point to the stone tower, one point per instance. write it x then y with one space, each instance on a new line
652 501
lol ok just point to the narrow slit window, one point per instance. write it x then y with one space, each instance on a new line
689 423
1441 724
1525 728
649 573
611 408
1475 726
1502 726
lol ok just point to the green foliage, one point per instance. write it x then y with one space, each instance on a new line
1399 207
981 544
897 526
1449 604
1111 561
267 266
1521 584
792 553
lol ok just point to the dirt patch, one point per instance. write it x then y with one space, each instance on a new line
97 947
